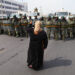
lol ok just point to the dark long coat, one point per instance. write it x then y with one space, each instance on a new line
37 45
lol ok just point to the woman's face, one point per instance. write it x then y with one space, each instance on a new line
37 24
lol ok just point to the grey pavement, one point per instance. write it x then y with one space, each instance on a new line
59 57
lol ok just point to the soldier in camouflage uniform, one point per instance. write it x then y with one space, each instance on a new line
9 26
30 22
0 26
64 26
71 23
73 27
12 27
49 22
24 23
56 28
53 28
5 28
20 26
35 19
16 25
42 22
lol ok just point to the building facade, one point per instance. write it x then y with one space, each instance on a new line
8 7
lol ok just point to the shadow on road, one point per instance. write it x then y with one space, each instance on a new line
57 63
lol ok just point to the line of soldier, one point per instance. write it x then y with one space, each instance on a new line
62 29
58 28
15 26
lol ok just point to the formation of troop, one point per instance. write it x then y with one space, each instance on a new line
61 28
15 26
55 27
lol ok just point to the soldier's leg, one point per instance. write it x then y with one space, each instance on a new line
54 33
73 31
23 31
9 30
71 34
48 33
57 34
68 32
13 31
63 34
20 31
0 29
6 30
60 33
16 31
26 33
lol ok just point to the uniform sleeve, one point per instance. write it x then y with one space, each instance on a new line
45 40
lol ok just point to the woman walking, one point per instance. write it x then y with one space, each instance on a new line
38 43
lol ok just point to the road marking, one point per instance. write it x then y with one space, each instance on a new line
2 50
21 39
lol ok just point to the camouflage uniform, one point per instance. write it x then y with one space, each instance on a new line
0 26
73 30
35 19
71 22
20 29
42 22
64 26
4 26
48 22
73 27
57 28
30 22
16 25
12 27
56 22
9 26
24 23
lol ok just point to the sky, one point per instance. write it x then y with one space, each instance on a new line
48 6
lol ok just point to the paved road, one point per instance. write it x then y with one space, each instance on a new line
59 57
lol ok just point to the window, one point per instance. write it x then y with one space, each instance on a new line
11 8
2 6
14 8
14 4
7 2
8 12
1 1
7 7
62 13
